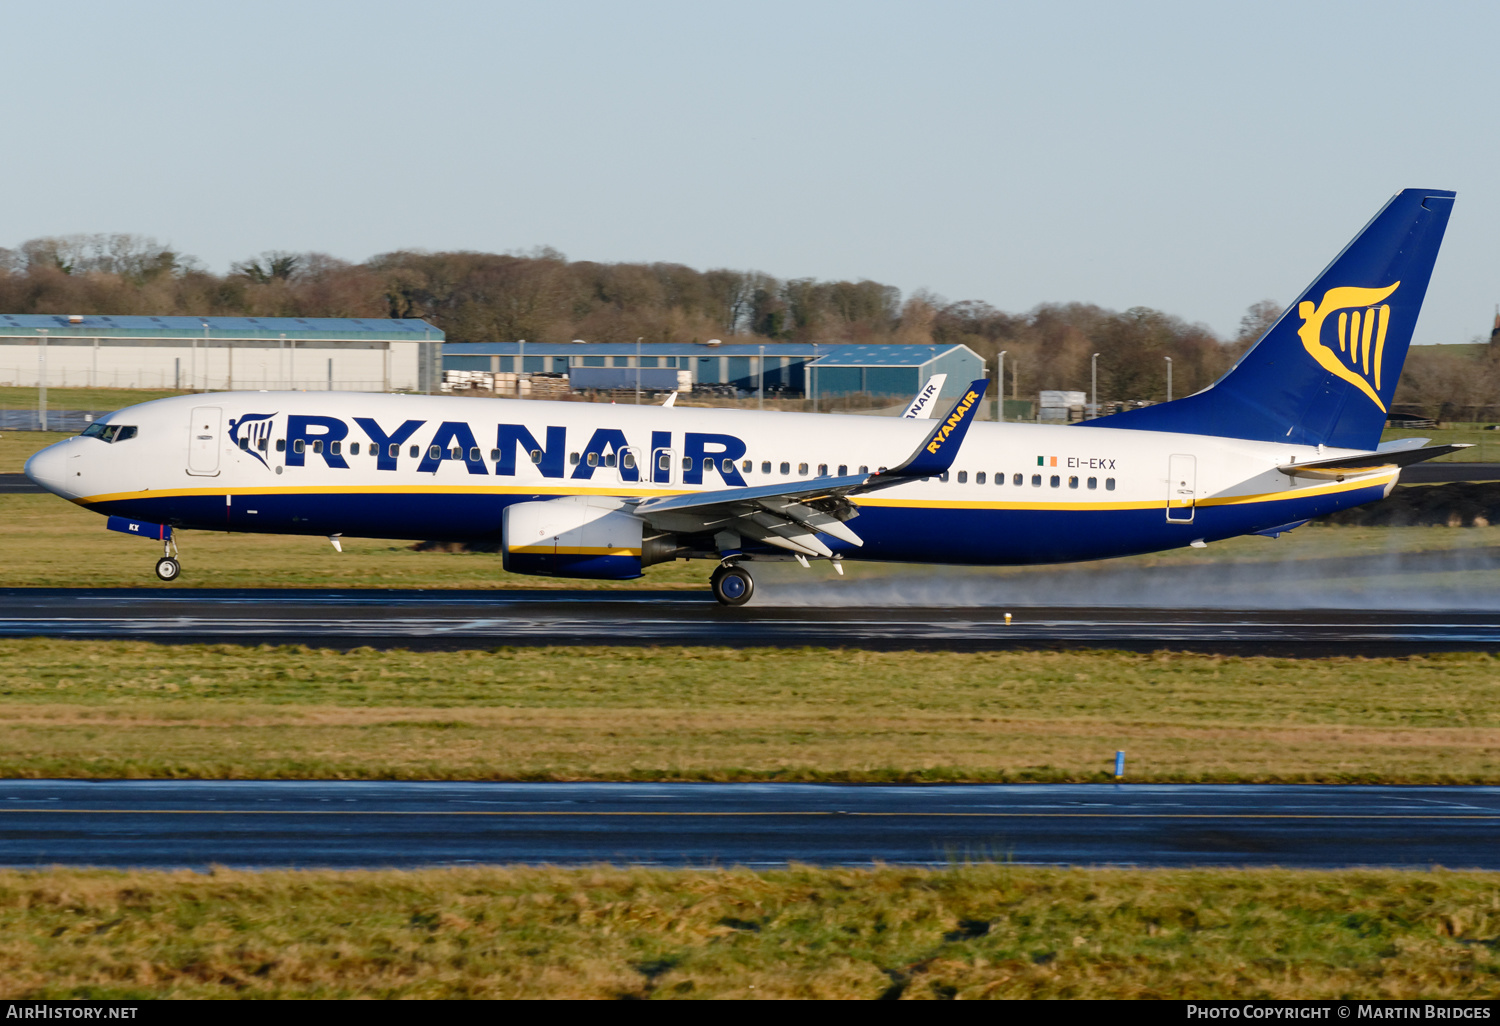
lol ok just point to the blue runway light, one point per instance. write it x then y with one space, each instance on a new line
1119 764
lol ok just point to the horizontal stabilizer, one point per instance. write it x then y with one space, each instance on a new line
1362 462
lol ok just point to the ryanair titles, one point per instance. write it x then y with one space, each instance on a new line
954 419
313 437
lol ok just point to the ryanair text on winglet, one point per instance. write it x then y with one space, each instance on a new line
956 418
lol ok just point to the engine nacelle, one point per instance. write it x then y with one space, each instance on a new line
579 536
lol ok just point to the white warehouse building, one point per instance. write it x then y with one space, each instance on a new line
312 353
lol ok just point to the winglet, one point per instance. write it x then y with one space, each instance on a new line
925 404
937 452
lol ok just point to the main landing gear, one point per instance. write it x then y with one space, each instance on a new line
167 567
732 585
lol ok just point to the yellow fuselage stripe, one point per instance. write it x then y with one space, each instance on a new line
541 488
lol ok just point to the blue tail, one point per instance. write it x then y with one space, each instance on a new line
1326 371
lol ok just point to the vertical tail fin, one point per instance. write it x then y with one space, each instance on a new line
1326 371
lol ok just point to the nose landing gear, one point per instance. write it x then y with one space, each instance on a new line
167 567
732 585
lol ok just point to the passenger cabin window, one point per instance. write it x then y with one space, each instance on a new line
843 470
495 455
765 467
299 446
261 443
687 463
318 446
281 445
393 450
802 468
786 468
943 477
536 455
1109 484
726 466
433 452
573 459
414 451
334 447
1072 482
963 477
353 448
593 459
474 454
866 470
1036 480
1093 482
979 478
664 462
245 444
456 453
629 462
1017 480
708 464
747 466
1056 481
611 460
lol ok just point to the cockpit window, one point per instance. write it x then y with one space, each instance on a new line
110 432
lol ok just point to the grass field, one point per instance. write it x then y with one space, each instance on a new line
131 709
1486 443
970 931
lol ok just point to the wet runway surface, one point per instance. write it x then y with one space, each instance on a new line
466 619
162 824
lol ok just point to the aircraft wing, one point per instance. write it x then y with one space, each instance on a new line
794 515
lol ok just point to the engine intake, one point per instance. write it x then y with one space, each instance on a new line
580 536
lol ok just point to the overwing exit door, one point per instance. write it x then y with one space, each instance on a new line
1182 488
203 441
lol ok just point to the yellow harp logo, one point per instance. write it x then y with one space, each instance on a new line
1361 335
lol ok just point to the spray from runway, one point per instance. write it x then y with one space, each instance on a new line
1458 578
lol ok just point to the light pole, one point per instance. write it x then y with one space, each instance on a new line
638 370
1094 386
1169 378
760 369
520 365
811 384
1000 387
41 381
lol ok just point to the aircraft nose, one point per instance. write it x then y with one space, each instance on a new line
48 468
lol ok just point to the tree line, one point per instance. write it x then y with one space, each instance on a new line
541 296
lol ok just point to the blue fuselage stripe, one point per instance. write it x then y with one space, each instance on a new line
923 534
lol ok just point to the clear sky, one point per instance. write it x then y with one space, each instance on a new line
1193 157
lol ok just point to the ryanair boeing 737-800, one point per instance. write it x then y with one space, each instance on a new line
603 491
